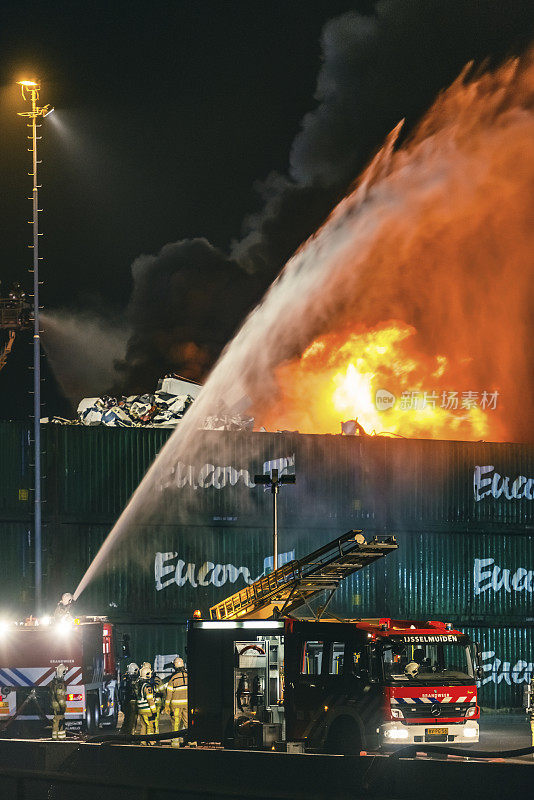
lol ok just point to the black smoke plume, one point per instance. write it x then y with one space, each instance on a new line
378 67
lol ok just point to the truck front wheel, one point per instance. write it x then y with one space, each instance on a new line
110 720
344 738
92 714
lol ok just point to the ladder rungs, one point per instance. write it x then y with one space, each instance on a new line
321 571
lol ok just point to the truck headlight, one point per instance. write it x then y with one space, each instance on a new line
396 713
64 626
396 733
471 711
470 733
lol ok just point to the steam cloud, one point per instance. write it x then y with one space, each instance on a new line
67 336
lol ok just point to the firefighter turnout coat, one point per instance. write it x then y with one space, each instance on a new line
176 701
146 706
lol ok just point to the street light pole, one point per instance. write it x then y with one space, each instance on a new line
274 480
32 88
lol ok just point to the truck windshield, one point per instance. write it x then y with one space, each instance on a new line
424 663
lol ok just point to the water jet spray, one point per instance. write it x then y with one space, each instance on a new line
424 238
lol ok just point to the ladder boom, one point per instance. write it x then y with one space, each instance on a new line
292 585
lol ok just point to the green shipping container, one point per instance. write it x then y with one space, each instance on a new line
507 660
16 473
157 643
164 573
341 480
462 513
16 570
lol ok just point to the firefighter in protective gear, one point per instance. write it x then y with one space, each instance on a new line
176 698
158 690
58 696
64 606
146 703
129 698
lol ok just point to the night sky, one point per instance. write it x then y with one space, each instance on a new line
177 121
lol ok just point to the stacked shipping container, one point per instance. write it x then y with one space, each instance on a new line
462 513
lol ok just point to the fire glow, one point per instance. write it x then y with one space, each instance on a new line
419 280
338 377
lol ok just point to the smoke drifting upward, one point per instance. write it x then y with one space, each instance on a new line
183 310
377 68
83 350
438 236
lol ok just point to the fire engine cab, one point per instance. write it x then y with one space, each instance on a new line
260 677
29 654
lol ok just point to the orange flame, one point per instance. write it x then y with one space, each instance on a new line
377 377
437 235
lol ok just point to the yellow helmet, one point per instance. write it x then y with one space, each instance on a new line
178 663
146 671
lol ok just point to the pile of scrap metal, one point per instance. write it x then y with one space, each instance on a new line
163 409
229 419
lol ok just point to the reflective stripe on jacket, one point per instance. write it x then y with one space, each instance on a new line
145 697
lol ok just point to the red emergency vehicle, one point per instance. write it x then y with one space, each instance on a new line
29 654
260 677
427 674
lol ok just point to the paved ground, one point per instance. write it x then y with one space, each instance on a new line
500 732
497 732
506 732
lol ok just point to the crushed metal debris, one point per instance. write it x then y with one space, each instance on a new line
165 408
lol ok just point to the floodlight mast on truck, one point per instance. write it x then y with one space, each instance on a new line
260 677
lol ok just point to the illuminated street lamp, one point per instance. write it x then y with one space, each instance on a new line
30 92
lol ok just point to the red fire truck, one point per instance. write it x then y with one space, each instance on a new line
29 655
259 677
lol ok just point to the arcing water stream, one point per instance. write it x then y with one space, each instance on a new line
436 235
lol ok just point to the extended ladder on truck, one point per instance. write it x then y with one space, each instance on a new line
292 585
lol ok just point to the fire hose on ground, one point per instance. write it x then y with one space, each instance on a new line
126 738
411 750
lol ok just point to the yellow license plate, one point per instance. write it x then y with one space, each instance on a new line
437 731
